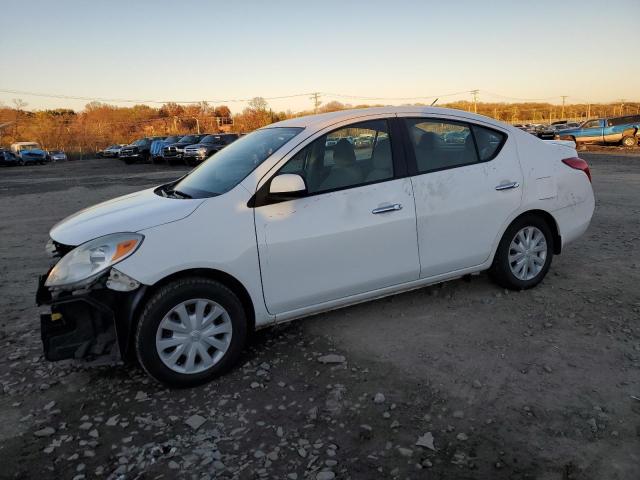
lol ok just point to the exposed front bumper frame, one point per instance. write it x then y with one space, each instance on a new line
95 324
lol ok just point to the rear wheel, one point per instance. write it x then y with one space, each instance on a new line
524 254
628 141
190 332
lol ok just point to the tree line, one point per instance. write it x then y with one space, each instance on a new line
99 125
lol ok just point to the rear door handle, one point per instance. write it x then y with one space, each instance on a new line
507 186
387 208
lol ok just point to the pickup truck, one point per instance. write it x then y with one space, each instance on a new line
29 152
138 150
624 130
197 153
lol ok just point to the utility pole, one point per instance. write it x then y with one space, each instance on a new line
316 101
588 111
564 98
475 100
621 106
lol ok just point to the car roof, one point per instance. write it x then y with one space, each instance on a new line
322 120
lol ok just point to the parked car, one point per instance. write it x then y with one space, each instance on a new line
174 152
194 154
545 132
138 150
276 226
112 151
623 130
29 153
56 156
362 141
158 145
8 158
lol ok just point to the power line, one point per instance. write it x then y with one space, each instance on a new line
138 100
424 97
497 95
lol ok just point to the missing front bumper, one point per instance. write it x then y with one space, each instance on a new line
95 325
79 329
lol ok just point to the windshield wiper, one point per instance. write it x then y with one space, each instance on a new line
181 194
168 191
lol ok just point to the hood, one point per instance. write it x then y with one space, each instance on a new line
129 213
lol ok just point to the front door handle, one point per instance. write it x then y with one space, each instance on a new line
507 186
387 208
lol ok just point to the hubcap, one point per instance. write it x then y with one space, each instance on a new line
527 253
193 336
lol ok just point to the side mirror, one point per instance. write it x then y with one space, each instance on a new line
288 185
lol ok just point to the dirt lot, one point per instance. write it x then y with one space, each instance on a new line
537 384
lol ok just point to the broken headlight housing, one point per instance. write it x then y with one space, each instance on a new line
84 263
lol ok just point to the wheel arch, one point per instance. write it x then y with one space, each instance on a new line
224 278
550 221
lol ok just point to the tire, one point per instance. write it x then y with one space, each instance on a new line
159 313
21 162
501 270
628 141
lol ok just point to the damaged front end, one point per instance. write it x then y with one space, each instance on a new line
92 321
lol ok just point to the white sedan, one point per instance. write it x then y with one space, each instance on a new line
283 224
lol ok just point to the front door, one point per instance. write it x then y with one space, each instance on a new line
353 232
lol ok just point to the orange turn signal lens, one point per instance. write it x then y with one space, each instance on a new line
124 248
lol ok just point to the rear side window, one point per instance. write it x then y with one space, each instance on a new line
489 142
441 144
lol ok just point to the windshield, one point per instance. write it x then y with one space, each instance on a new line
29 146
189 139
173 139
211 139
142 141
232 164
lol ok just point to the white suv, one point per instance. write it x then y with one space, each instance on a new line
282 224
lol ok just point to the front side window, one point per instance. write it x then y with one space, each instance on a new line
592 124
440 144
351 156
223 171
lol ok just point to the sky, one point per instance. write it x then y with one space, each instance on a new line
193 50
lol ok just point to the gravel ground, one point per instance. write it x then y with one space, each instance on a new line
457 381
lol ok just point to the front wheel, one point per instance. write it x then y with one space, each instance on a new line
190 332
524 254
629 141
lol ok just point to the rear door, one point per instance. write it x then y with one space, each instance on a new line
467 182
355 229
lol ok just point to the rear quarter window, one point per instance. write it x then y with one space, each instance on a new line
488 141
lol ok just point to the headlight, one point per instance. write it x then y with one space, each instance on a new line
84 263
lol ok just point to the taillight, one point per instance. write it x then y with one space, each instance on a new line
578 164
